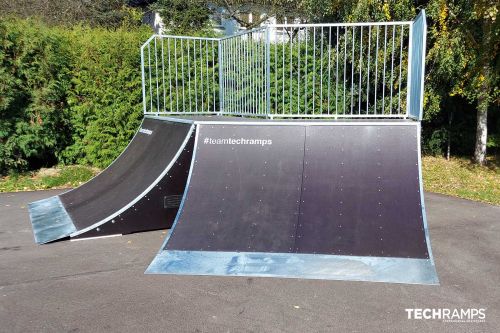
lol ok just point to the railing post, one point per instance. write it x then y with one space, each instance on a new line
268 72
143 79
221 88
416 67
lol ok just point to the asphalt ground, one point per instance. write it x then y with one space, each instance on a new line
99 285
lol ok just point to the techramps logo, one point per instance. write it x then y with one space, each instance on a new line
146 131
238 141
470 315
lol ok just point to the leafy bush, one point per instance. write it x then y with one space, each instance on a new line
67 95
34 80
104 102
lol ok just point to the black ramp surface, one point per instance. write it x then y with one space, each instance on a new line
148 154
141 190
360 192
334 201
156 209
242 196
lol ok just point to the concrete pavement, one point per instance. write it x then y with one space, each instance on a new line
99 285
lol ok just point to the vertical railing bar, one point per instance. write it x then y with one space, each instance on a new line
196 83
260 68
376 72
392 65
400 69
321 74
176 78
263 83
248 57
237 42
298 70
329 63
226 74
143 77
244 42
256 77
352 69
360 68
238 74
368 69
256 74
229 91
410 57
237 80
345 66
314 71
306 74
268 71
337 72
169 72
195 77
206 70
220 57
283 67
190 102
157 83
383 72
150 79
291 48
163 74
201 77
183 78
241 76
248 90
213 74
276 42
251 73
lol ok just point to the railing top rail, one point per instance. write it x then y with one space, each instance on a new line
188 37
359 24
260 29
286 25
147 42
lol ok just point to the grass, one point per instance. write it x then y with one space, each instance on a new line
457 177
58 177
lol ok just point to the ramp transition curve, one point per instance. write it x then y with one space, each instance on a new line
140 190
312 199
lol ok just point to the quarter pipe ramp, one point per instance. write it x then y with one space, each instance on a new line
321 200
139 191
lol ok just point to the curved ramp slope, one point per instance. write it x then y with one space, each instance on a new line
140 190
305 200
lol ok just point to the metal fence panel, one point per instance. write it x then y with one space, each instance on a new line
339 70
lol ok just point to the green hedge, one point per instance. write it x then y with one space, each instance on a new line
67 95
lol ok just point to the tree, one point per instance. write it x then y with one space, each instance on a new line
107 13
261 11
466 38
183 16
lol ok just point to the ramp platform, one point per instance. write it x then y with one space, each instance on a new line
303 199
140 190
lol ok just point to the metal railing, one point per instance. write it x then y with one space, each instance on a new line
244 73
180 75
351 70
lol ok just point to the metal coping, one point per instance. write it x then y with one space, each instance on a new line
224 120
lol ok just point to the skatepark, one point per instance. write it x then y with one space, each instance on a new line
265 167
